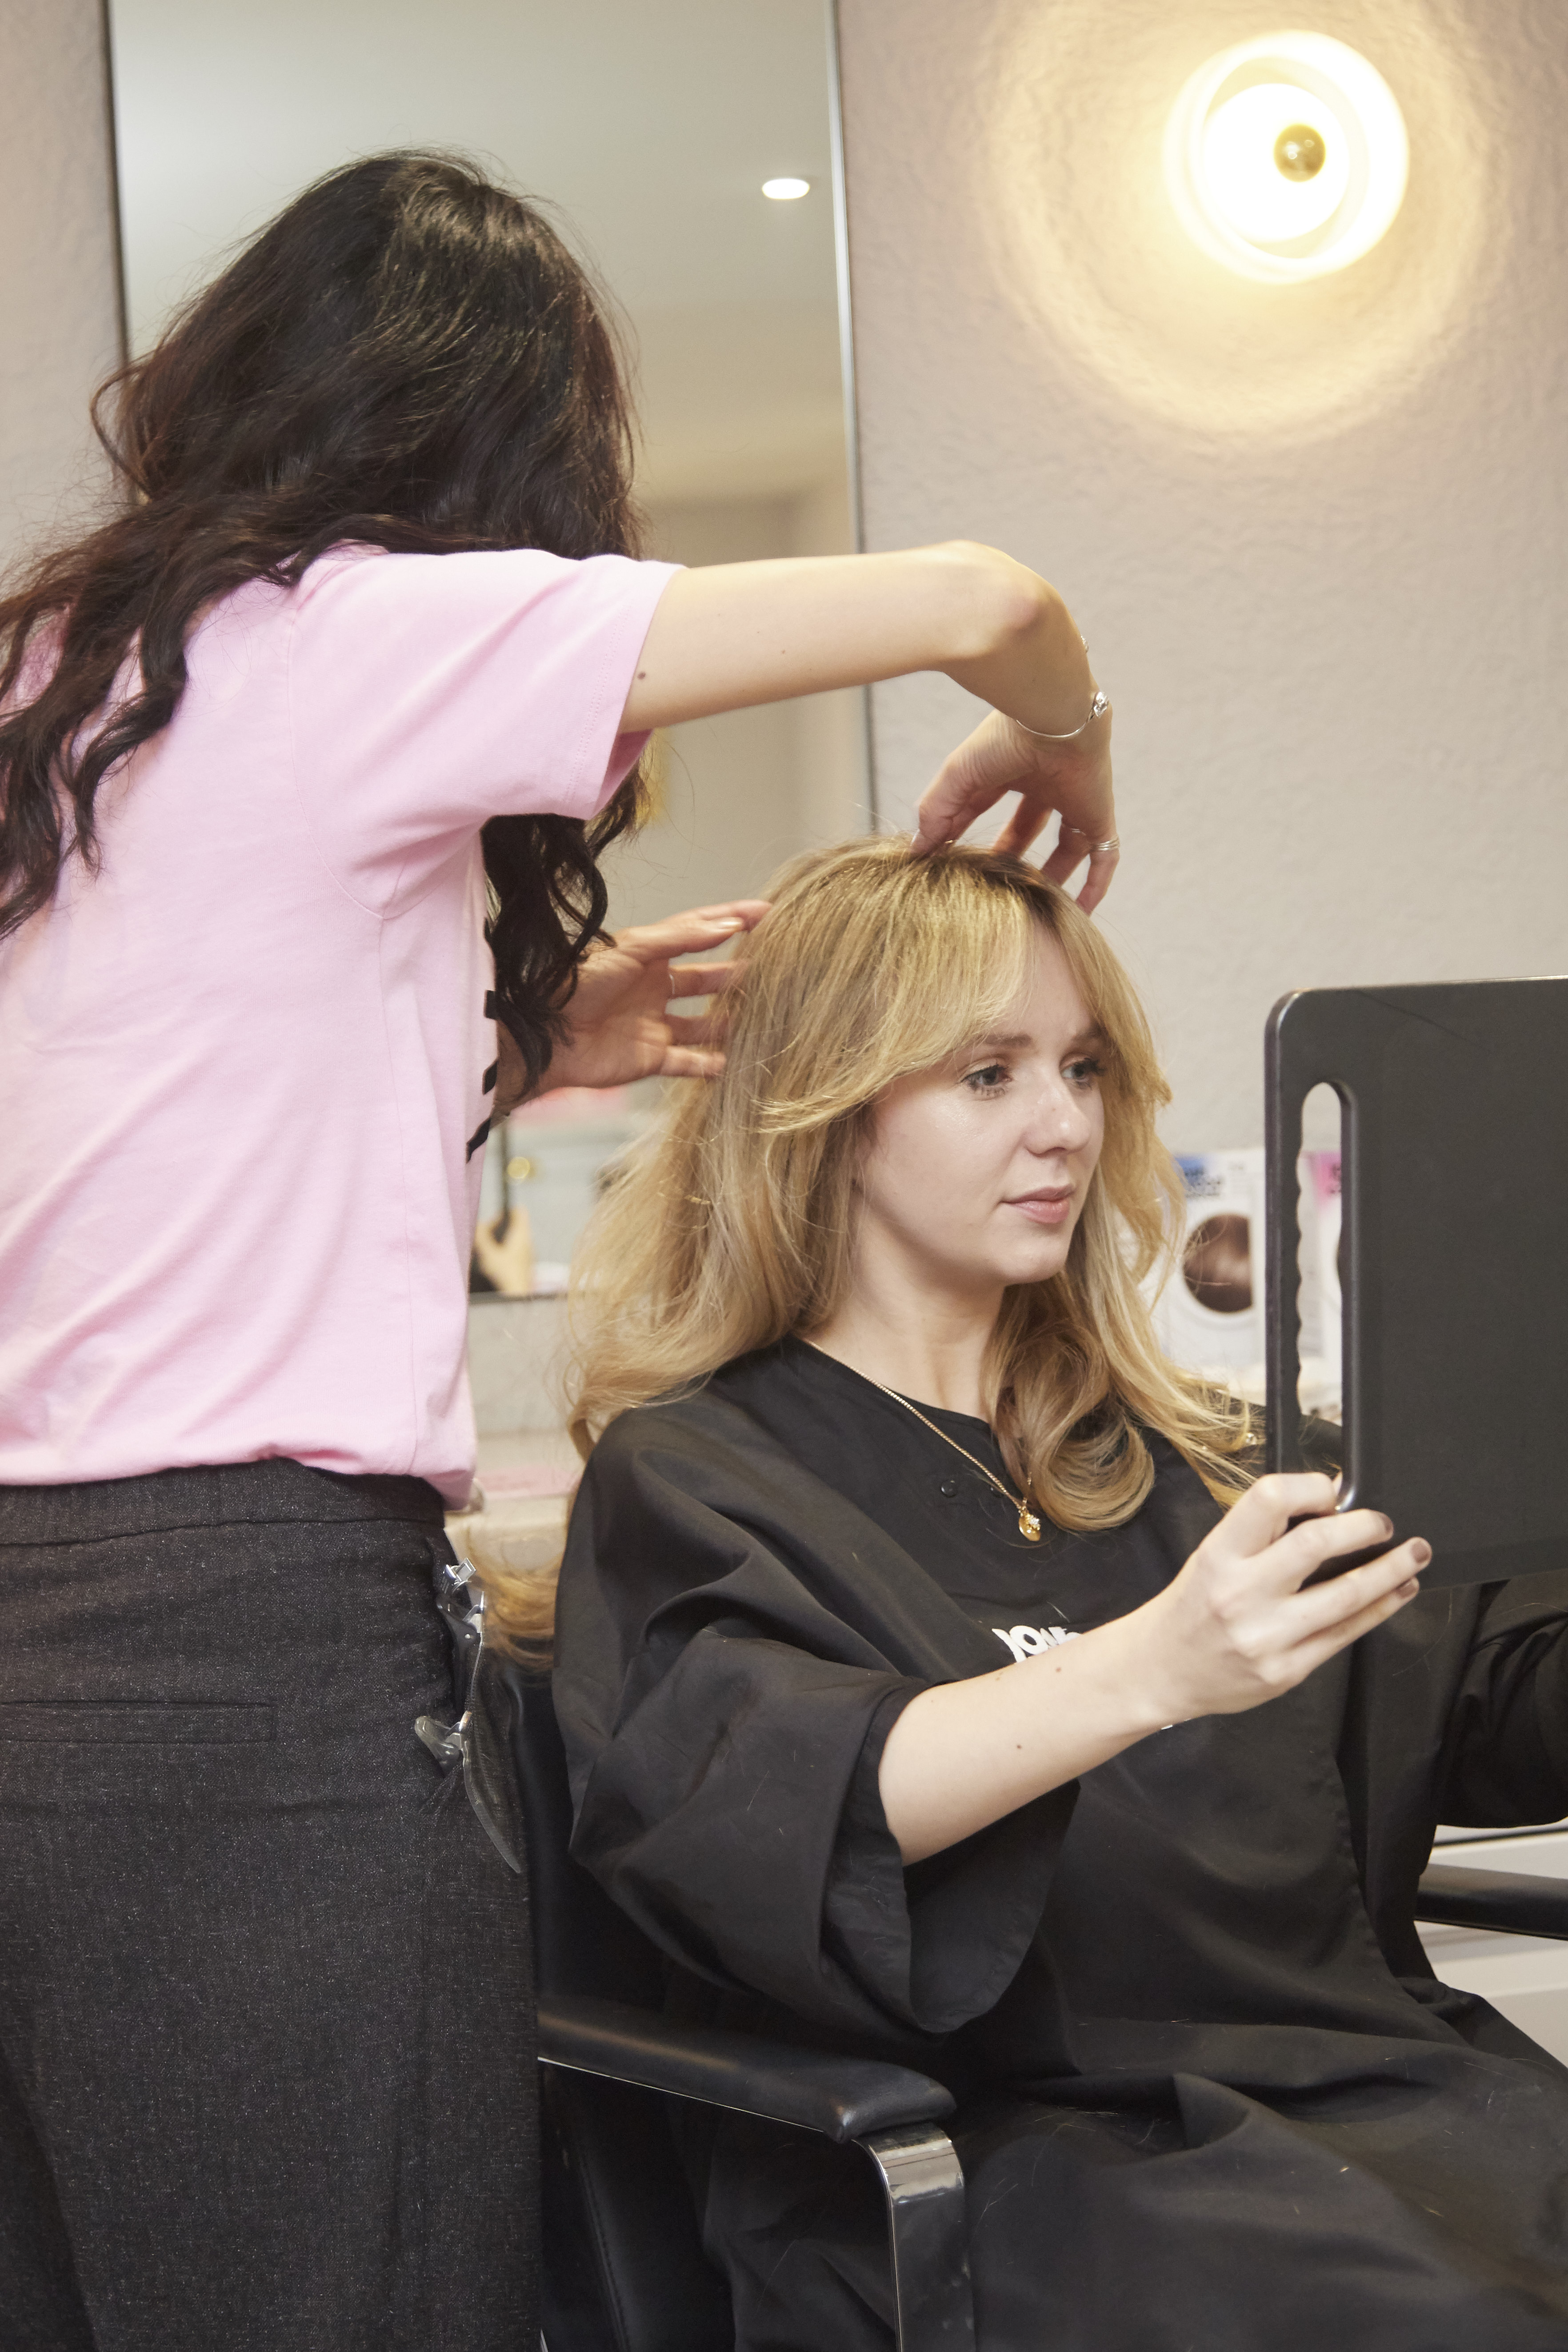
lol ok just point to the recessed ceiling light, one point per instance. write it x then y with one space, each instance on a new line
1287 156
784 192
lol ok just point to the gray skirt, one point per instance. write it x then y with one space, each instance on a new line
266 2063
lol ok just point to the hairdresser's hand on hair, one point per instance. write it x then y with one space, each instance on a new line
1069 780
725 637
618 1026
1235 1628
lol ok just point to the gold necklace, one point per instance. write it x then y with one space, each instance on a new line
1029 1520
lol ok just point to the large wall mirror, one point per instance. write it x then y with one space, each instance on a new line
651 131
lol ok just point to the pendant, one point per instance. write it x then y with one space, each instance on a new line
1028 1524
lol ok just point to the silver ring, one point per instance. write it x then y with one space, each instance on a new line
1096 847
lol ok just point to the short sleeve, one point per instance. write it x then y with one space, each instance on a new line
429 693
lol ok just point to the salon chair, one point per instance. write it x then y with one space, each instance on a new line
624 2269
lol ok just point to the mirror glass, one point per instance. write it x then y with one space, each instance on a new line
649 131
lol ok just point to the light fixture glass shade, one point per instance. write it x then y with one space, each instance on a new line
785 190
1287 156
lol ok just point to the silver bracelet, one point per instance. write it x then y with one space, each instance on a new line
1097 709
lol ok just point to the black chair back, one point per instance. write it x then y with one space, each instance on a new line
624 2269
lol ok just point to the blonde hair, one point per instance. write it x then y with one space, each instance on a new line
731 1223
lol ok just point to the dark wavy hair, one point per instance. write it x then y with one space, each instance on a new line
408 356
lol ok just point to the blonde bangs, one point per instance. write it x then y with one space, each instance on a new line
930 966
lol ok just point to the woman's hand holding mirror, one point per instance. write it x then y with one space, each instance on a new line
1236 1628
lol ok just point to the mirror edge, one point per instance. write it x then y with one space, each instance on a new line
116 190
847 364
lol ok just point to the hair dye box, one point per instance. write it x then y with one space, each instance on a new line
1209 1316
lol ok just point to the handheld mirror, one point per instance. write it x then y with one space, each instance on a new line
1454 1261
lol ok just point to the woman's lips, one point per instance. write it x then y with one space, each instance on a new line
1044 1208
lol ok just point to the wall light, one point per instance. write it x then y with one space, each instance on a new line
784 192
1287 156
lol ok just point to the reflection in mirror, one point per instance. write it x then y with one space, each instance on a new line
650 132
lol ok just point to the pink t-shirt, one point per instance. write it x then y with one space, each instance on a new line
240 1066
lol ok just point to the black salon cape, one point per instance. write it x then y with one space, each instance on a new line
1210 2097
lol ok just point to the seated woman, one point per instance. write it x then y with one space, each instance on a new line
938 1680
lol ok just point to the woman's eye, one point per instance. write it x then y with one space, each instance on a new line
1086 1072
987 1081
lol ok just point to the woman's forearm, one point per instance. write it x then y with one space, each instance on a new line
1234 1629
963 1754
725 637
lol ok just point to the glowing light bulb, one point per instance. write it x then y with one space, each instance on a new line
1287 156
1300 151
784 192
1242 164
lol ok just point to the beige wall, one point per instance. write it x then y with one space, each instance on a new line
58 295
1314 532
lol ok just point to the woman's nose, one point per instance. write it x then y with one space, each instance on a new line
1059 1121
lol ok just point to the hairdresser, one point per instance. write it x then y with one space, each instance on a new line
308 757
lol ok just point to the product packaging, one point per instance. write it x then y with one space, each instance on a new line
1209 1317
